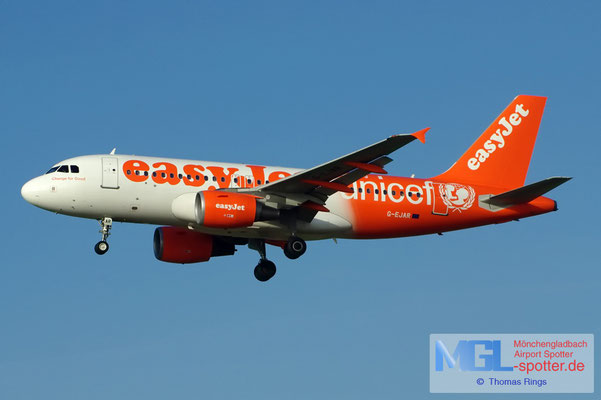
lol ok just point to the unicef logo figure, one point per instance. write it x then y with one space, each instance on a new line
456 196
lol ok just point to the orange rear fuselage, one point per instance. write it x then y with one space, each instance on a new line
388 206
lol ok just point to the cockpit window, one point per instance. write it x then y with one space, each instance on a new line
64 168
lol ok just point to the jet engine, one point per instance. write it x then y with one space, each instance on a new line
218 209
183 246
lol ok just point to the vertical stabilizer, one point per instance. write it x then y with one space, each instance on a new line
501 155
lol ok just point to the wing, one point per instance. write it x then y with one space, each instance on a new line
312 187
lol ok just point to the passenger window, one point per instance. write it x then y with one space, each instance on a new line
74 169
258 182
235 180
377 191
197 177
368 190
222 179
63 168
214 178
206 178
51 170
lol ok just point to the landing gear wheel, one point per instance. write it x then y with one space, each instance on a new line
265 270
295 247
101 247
105 228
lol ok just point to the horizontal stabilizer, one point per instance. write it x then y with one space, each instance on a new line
525 194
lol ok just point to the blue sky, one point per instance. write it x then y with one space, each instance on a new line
294 84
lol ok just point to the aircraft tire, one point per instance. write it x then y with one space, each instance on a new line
295 247
101 247
265 270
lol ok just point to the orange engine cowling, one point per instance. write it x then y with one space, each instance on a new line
183 246
217 209
220 209
226 210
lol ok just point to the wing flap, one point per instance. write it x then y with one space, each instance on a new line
352 176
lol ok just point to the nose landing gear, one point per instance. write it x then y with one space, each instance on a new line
102 247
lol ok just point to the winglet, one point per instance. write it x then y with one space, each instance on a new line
421 135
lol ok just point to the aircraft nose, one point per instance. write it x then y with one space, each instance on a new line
31 191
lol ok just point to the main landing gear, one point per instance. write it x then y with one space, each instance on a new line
295 247
103 246
265 269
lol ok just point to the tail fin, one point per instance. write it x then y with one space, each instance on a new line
501 155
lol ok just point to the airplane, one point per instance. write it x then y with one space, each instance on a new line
208 208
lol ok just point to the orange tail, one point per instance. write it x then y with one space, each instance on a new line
501 155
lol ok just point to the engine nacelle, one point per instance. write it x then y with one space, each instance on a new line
226 210
219 209
183 246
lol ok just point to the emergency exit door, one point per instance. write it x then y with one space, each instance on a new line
110 177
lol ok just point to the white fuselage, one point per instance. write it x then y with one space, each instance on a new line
100 188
